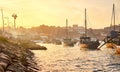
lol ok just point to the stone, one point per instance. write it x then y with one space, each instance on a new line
1 69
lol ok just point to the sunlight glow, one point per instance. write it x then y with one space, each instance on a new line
54 12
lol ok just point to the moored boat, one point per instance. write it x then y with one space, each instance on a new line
86 42
67 41
109 43
114 35
113 38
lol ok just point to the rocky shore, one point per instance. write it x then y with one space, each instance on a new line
15 56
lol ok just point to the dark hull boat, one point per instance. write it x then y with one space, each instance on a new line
113 39
56 42
67 41
87 42
114 36
109 43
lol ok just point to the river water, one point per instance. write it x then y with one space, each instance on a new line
71 59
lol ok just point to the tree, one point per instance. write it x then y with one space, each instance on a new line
14 16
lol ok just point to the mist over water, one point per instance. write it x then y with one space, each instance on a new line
71 59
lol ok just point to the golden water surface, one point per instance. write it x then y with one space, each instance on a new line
71 59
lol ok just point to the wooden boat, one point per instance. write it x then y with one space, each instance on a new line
113 33
56 42
113 38
117 51
86 42
67 41
109 43
117 48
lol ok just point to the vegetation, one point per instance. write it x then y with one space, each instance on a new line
15 55
3 39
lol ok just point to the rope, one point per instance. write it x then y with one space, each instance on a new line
90 24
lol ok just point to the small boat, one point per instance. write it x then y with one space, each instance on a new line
87 42
56 42
67 41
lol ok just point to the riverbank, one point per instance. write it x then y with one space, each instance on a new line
30 45
15 56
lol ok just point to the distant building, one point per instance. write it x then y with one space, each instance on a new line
75 26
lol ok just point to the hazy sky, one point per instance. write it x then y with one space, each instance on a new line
54 12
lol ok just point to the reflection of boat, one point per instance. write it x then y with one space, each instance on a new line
87 42
67 41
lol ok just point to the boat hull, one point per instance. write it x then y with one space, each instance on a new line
117 51
68 44
90 45
83 46
109 45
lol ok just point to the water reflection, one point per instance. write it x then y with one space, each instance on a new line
71 59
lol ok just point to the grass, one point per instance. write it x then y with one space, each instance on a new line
3 39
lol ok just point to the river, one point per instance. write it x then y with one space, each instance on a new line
71 59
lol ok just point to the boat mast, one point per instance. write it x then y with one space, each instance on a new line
2 19
85 24
66 28
113 17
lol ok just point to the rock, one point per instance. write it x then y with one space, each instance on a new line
38 48
4 62
9 54
8 71
16 57
2 55
31 69
1 69
16 68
